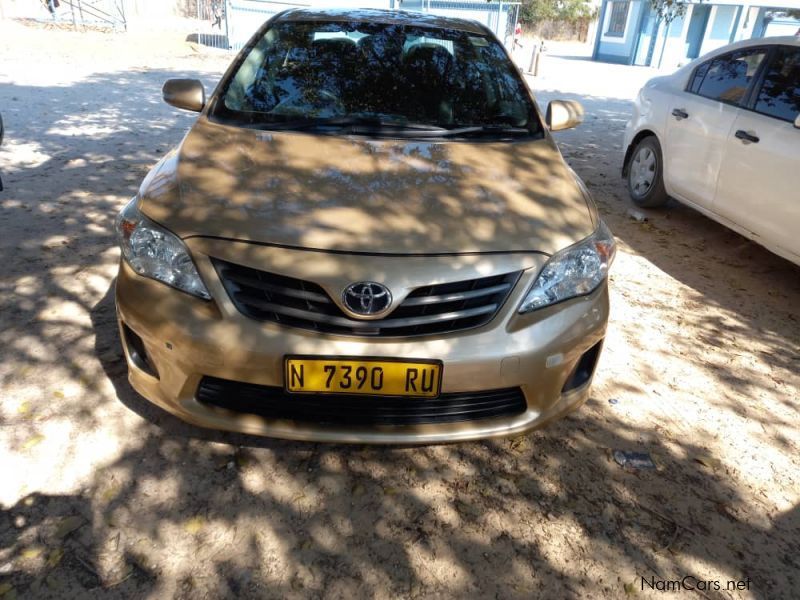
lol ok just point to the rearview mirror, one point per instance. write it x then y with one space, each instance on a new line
564 114
184 93
797 122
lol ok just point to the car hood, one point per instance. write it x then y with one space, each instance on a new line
351 194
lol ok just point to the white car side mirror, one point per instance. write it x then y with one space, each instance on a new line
797 122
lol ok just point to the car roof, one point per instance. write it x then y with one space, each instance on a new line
780 40
784 40
389 17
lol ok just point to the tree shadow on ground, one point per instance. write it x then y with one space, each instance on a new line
738 292
173 510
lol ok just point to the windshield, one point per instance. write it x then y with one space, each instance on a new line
346 73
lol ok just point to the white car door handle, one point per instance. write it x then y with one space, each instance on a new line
747 138
680 113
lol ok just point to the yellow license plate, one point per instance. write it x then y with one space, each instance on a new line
380 377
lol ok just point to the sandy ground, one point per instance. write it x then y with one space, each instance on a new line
102 495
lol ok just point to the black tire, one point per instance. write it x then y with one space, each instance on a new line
645 174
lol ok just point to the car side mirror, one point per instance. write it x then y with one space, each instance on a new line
563 114
797 122
187 94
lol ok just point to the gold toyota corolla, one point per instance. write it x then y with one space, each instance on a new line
368 235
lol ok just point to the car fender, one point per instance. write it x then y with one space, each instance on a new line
649 117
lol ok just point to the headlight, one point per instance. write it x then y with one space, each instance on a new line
155 252
572 272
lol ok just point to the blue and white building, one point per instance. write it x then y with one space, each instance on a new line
629 31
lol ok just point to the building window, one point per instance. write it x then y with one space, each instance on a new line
619 16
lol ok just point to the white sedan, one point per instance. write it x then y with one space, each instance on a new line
722 135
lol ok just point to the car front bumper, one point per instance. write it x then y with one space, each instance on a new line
185 339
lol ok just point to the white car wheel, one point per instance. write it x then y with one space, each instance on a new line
645 174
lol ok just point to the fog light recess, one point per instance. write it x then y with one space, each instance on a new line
138 352
584 369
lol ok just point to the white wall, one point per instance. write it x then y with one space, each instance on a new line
675 49
719 28
759 3
746 23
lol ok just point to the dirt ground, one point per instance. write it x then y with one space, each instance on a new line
103 495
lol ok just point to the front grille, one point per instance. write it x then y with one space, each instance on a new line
275 403
427 310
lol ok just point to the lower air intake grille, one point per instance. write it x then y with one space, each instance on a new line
275 403
432 309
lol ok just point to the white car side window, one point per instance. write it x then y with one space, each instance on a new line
727 77
779 96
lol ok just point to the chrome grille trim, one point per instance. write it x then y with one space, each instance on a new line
305 295
383 323
427 310
456 297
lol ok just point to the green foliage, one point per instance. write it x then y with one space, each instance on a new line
571 11
669 10
792 13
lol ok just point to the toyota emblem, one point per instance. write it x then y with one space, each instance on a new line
367 298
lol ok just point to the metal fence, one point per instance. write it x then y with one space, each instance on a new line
228 24
106 14
109 13
500 17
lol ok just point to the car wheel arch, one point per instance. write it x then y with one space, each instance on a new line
629 150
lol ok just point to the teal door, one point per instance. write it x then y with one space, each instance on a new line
646 40
697 30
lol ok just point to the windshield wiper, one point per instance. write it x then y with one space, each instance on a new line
491 129
380 123
359 123
364 124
